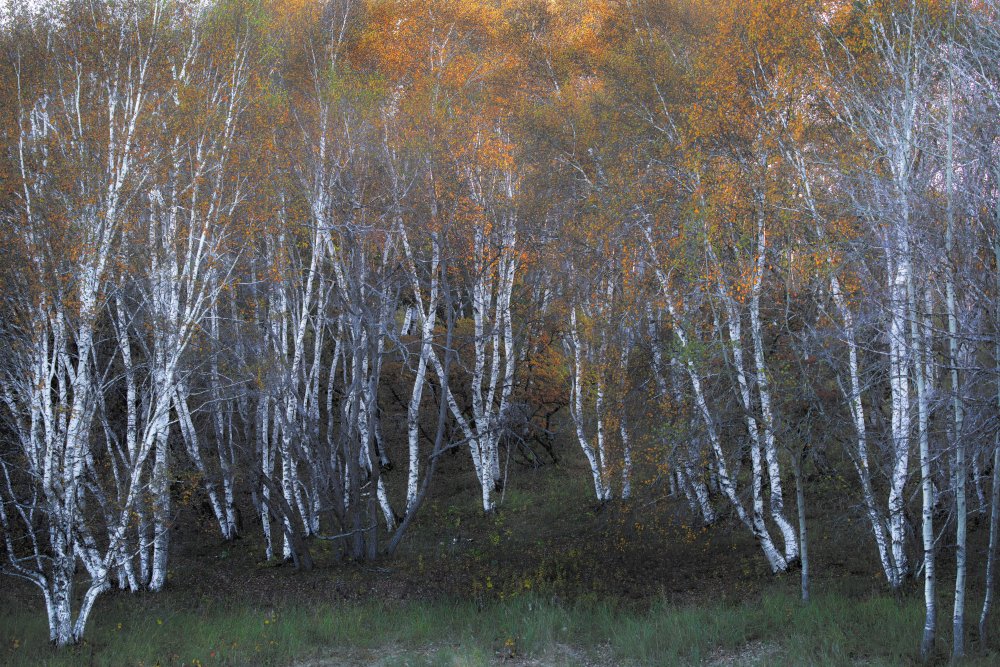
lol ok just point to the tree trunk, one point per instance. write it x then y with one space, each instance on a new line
800 501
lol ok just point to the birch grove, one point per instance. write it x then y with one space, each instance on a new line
268 266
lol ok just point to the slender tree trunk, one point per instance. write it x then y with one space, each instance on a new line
757 472
991 554
923 374
727 484
623 429
800 501
160 488
191 439
899 384
854 399
961 471
576 412
777 502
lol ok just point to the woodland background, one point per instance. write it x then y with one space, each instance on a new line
686 277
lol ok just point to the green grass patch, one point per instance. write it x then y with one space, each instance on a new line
777 629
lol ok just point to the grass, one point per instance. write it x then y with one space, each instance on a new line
834 629
550 579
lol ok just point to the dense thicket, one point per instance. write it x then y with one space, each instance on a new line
290 253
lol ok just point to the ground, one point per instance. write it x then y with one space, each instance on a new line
549 579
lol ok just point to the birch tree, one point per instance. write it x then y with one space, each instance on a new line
78 164
888 115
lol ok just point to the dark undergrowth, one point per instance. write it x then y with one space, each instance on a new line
550 579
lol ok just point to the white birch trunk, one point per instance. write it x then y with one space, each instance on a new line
854 398
595 458
777 503
954 359
921 338
727 484
743 385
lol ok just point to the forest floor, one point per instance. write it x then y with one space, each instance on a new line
549 579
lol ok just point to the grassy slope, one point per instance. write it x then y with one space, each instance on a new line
549 580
